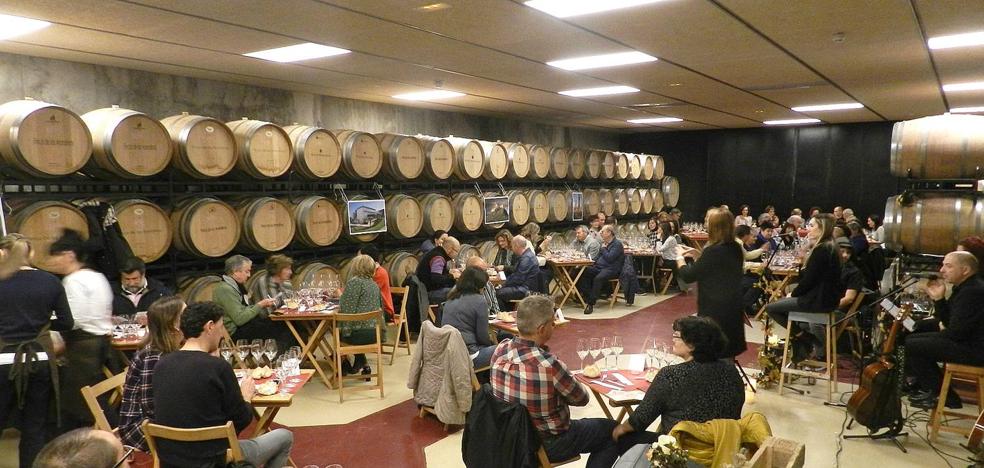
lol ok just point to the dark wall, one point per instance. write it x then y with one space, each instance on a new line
827 165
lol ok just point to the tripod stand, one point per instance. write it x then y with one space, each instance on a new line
892 433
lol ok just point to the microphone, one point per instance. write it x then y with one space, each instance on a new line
932 276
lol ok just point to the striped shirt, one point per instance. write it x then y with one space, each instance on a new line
525 373
491 299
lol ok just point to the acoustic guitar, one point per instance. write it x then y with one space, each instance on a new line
876 403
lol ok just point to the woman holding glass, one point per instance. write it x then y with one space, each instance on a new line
700 389
163 323
361 295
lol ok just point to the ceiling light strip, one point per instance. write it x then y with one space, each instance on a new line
569 8
792 122
602 91
956 40
829 107
602 61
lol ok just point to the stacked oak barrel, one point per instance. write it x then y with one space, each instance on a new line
942 158
428 183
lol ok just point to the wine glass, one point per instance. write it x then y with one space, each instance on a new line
617 348
595 349
582 350
650 347
242 348
606 349
226 350
270 349
256 349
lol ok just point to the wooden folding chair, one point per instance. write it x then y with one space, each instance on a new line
342 349
616 285
152 432
851 326
91 394
424 410
669 279
400 320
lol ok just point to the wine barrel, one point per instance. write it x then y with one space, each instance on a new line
468 212
659 168
317 154
317 221
487 250
558 203
621 166
467 251
145 227
42 139
342 263
608 162
647 167
621 198
267 224
592 202
576 159
368 237
635 201
658 203
205 226
264 150
671 191
593 164
198 288
362 158
939 147
539 206
635 166
439 160
469 158
539 161
559 162
496 160
607 201
438 212
404 156
519 161
647 201
127 143
400 265
519 208
932 223
404 218
203 147
310 274
42 223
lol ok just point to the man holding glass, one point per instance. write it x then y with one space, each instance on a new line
242 320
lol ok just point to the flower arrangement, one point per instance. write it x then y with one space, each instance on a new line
666 453
770 361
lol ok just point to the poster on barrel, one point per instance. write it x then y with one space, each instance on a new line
496 210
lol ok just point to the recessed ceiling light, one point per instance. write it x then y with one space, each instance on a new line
13 26
972 86
602 91
568 8
602 61
433 7
967 110
429 95
297 52
655 120
791 121
829 107
957 40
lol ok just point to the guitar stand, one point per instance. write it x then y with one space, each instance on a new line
891 434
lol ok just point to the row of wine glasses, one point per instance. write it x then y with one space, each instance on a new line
657 353
596 347
257 348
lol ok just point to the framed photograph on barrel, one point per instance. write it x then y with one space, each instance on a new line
577 206
366 216
496 210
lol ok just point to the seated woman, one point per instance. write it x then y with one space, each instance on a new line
360 295
164 336
467 310
503 255
666 245
276 285
700 389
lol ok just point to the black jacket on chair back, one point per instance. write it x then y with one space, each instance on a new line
498 434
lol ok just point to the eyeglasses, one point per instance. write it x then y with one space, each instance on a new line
127 456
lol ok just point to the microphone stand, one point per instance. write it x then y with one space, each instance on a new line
899 288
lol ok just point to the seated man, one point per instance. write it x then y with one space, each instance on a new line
586 243
91 448
135 292
525 278
242 320
437 269
276 285
524 372
852 282
608 266
193 388
960 340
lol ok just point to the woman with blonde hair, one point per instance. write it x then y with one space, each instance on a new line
718 269
164 335
361 295
29 298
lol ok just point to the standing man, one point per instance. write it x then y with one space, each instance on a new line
586 243
135 292
193 388
524 279
608 266
961 336
524 372
243 320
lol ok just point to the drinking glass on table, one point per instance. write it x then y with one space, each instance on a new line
606 349
595 349
617 348
256 349
270 349
582 351
242 349
226 350
650 347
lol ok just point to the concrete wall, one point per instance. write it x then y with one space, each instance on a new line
83 87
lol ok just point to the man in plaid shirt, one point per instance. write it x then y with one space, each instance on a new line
524 372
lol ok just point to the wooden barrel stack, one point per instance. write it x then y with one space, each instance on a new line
127 143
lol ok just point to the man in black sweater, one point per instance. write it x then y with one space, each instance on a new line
193 388
961 336
135 292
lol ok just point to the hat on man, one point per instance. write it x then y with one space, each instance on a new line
844 242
